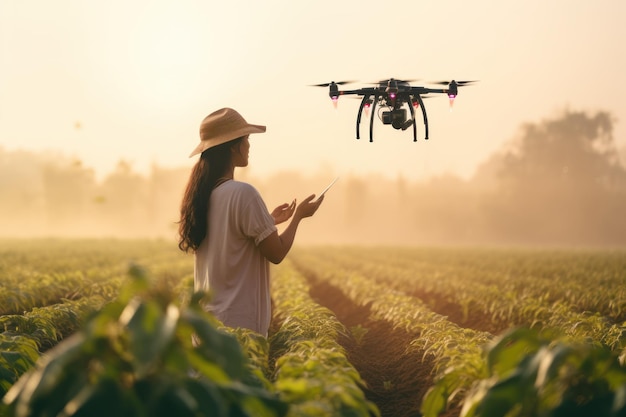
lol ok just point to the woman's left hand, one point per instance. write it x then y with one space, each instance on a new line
283 212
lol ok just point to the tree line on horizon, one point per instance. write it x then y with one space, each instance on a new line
560 181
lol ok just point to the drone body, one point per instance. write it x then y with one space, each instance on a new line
392 95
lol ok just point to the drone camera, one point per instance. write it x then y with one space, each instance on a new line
395 118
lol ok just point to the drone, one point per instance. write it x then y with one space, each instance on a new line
392 95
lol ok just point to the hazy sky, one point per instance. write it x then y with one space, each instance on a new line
104 80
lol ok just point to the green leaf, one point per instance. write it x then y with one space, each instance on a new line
43 388
258 403
502 397
435 400
150 331
506 351
102 400
207 396
550 362
217 346
474 398
294 387
176 401
618 408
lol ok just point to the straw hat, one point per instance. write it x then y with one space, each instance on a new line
222 126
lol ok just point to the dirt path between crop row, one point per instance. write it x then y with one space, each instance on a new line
396 377
476 319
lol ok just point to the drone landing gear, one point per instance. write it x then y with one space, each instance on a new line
366 102
413 121
421 102
395 117
372 119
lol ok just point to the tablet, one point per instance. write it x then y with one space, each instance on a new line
327 188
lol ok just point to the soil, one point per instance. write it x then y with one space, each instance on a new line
394 372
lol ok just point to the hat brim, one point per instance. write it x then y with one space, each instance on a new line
227 137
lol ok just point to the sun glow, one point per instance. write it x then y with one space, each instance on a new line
152 57
165 56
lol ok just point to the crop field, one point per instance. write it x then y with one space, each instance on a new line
356 331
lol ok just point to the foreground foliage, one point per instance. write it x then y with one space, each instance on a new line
136 358
534 375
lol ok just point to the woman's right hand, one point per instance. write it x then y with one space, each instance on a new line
308 207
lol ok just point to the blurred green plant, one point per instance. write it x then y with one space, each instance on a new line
256 348
136 358
358 332
536 374
18 354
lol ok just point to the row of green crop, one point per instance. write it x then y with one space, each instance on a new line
456 352
38 273
46 290
303 362
50 287
505 305
587 280
50 324
25 337
311 370
521 373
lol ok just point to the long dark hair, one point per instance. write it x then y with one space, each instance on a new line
193 224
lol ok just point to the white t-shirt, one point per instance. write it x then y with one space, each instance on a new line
228 263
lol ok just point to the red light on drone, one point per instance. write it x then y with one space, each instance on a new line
452 97
366 108
416 104
392 96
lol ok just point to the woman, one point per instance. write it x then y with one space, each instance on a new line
227 226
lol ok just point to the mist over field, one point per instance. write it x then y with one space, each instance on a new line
559 181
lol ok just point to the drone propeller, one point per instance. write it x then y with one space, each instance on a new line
333 89
453 88
393 83
459 83
332 82
396 80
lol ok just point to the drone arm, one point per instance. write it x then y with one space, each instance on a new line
434 90
357 92
423 114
